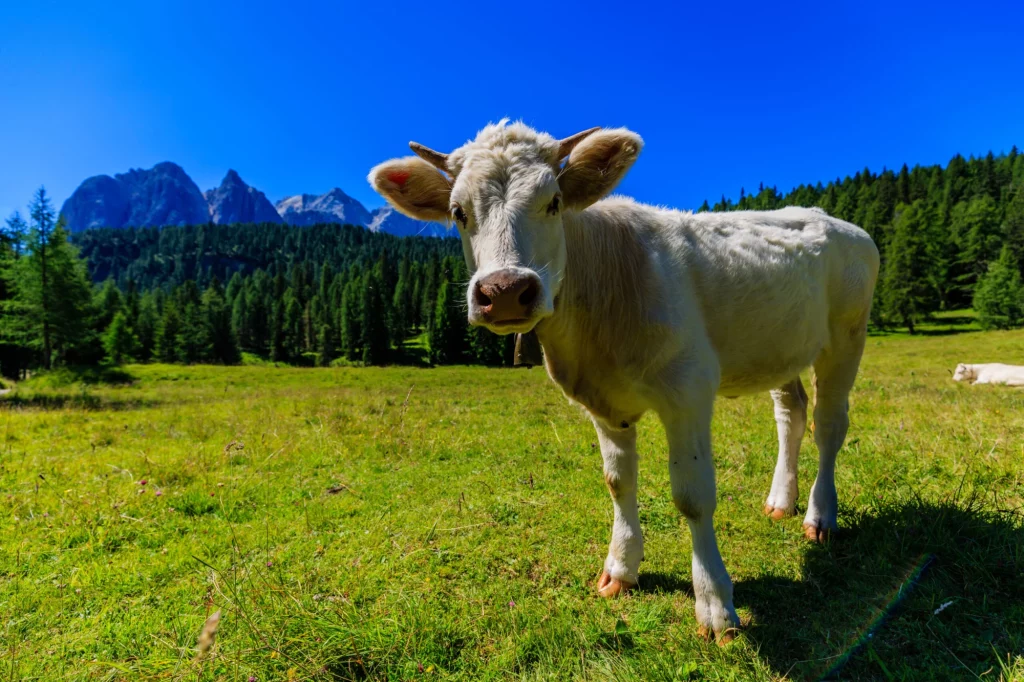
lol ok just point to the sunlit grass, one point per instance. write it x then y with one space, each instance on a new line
449 523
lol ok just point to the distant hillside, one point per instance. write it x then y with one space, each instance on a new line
165 195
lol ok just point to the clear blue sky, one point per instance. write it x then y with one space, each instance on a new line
304 96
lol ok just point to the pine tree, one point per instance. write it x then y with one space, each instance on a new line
488 348
401 306
191 342
166 349
146 326
277 334
118 341
1013 225
50 309
374 321
909 293
431 280
999 296
293 332
351 321
16 233
975 230
325 346
108 303
221 345
448 332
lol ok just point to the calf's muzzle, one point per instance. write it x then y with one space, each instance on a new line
507 296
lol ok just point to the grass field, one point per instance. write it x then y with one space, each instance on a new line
450 523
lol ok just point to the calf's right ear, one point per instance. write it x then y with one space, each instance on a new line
414 187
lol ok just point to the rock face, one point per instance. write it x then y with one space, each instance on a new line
162 195
100 201
236 202
389 220
166 195
333 207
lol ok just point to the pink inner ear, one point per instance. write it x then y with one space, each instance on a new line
399 177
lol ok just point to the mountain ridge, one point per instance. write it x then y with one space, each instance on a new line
165 195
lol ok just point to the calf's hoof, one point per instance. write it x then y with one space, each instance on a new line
608 586
777 513
817 533
721 637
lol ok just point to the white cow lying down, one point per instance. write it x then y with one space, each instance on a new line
641 308
993 373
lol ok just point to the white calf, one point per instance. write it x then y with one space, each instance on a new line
641 308
992 373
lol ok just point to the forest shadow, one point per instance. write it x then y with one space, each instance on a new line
897 565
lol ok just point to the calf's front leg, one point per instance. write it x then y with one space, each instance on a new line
692 473
626 549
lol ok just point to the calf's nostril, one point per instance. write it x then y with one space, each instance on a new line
529 294
482 299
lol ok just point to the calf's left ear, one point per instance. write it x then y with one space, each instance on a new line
414 187
596 165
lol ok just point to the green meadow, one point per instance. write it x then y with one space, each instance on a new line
449 523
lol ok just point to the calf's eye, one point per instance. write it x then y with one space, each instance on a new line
554 205
459 214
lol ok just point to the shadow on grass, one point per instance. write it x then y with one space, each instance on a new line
68 387
803 629
89 375
69 400
928 331
663 582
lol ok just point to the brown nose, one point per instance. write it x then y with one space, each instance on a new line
506 296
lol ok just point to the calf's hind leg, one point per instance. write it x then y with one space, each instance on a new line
790 420
834 372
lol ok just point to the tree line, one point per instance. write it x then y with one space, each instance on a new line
950 237
321 295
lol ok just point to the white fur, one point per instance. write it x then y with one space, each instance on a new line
992 373
651 309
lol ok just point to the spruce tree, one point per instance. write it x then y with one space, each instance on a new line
118 341
975 230
448 331
909 292
325 346
221 345
1013 224
191 342
50 306
374 321
146 326
166 349
16 234
277 333
488 348
351 318
999 296
109 303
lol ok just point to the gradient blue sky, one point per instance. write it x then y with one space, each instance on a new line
305 96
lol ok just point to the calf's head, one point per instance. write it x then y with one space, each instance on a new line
964 373
506 192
